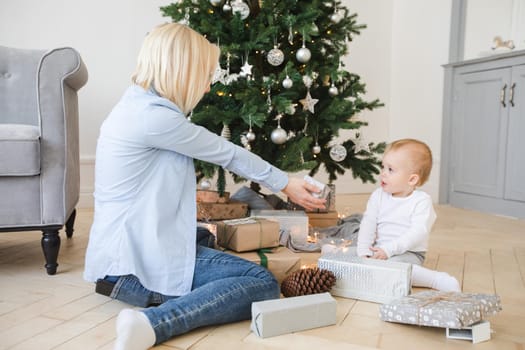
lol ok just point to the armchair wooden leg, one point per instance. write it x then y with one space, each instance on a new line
51 246
70 223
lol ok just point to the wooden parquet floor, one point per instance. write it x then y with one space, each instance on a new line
485 252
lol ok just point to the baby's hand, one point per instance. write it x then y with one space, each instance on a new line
378 253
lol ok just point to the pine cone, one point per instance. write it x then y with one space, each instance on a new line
311 280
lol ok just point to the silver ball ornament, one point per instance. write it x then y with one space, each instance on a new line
338 153
205 185
278 136
275 57
287 82
242 8
335 17
215 2
250 135
303 55
316 149
332 91
226 7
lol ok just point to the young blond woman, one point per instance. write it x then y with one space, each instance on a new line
142 247
398 218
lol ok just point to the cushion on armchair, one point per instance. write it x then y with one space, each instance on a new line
19 150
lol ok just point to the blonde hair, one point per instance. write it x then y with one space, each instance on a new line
420 157
178 62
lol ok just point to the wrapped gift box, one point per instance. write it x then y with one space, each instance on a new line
329 206
373 280
247 234
280 261
281 316
441 309
295 221
207 196
221 211
327 219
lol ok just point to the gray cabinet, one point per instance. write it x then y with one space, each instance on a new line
483 155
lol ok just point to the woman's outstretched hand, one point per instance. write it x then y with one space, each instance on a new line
300 192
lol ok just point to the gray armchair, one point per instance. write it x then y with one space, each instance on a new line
39 156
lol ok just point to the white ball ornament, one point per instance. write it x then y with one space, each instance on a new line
316 149
215 2
335 17
205 185
303 55
332 91
287 82
278 136
226 7
250 135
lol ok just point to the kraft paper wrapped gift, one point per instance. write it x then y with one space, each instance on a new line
247 234
281 261
327 219
280 316
372 280
441 309
295 221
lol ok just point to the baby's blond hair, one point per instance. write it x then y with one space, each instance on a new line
420 157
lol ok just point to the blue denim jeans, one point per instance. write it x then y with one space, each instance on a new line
224 287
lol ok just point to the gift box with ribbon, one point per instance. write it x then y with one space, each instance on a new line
441 309
281 261
247 234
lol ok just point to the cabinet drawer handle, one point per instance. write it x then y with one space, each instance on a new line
511 94
502 96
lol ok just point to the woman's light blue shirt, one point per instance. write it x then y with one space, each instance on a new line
145 188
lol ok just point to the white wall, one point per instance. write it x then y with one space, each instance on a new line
487 19
420 45
398 57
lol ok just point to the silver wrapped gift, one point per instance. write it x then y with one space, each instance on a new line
294 221
379 281
281 316
441 309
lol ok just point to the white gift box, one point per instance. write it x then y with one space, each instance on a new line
476 333
295 221
280 316
378 281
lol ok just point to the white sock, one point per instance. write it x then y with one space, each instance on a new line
423 277
134 331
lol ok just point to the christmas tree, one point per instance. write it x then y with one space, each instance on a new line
281 90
